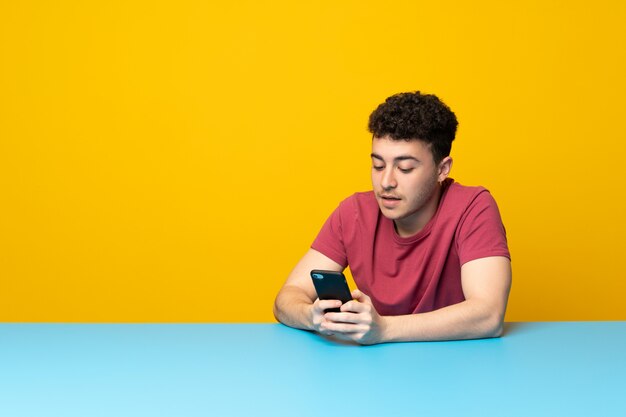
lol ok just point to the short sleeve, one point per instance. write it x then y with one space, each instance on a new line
481 233
329 240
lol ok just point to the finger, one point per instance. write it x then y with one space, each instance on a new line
344 318
361 297
357 307
326 304
344 328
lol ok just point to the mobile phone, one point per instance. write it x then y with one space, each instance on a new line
331 285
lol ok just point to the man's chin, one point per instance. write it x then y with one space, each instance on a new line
391 214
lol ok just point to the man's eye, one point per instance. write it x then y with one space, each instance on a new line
405 170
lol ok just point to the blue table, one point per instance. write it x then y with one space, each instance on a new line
536 369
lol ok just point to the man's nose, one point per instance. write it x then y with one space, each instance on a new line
388 180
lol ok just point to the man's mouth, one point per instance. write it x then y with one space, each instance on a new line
389 201
389 197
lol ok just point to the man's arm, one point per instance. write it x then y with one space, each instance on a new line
296 304
486 283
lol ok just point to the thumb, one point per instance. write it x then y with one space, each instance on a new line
361 297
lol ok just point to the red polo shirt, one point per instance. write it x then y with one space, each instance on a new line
420 273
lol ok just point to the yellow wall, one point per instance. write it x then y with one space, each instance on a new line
171 161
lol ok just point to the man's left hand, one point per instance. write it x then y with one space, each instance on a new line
358 321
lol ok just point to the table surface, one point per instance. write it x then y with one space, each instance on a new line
536 369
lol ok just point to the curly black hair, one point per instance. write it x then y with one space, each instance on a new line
410 116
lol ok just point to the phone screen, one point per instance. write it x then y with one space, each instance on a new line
331 285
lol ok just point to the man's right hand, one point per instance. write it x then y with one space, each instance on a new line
317 314
296 304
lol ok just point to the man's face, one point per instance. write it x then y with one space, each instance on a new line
405 180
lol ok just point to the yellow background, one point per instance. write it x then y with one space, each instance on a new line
172 161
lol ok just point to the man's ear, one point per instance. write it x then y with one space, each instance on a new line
444 168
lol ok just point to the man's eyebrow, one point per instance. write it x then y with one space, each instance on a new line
405 158
397 158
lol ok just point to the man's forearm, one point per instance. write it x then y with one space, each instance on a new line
292 308
469 319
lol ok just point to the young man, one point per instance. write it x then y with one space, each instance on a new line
428 255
